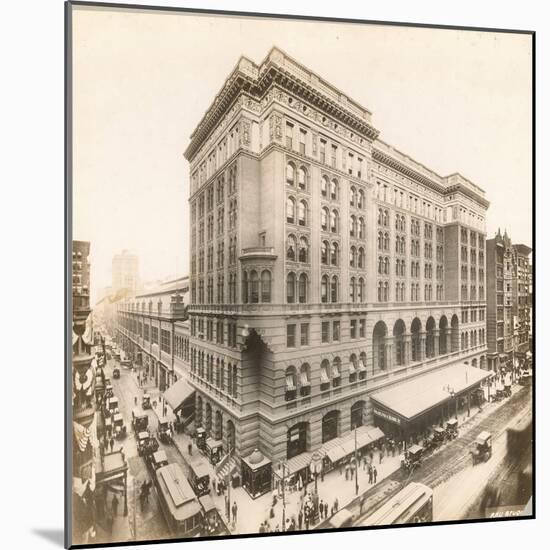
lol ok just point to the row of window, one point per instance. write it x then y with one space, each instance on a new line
215 371
383 292
205 331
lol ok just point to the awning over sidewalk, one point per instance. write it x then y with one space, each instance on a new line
411 398
177 394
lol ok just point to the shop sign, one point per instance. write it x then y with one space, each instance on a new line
387 416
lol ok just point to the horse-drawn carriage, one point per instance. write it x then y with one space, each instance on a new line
451 429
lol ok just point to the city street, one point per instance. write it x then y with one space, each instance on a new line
449 471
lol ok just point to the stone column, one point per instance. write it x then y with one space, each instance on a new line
388 352
436 342
407 348
422 346
448 339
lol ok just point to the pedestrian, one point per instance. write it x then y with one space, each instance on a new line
114 505
321 508
306 522
370 475
326 510
190 448
135 400
340 467
336 504
214 485
381 455
361 504
112 443
374 473
347 472
371 456
234 510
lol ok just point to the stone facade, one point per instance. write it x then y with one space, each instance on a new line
325 264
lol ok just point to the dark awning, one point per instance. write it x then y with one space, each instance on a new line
177 394
411 398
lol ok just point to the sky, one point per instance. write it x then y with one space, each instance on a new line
456 101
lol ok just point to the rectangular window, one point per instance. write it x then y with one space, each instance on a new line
165 340
303 142
289 132
362 325
333 156
336 331
291 336
325 328
154 335
353 329
323 151
304 334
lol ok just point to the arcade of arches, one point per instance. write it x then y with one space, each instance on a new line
402 345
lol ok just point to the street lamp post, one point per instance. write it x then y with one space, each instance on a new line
315 467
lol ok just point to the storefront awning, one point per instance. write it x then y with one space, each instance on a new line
336 453
290 386
411 398
304 380
177 394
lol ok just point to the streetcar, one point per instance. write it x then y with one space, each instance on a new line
179 504
412 504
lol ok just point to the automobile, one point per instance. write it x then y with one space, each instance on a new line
157 459
412 458
452 428
118 426
109 391
140 420
483 448
200 435
116 373
142 441
439 435
125 361
164 430
214 450
146 401
112 404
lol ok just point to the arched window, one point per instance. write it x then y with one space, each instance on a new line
324 186
334 254
380 265
305 380
324 219
266 286
334 189
352 223
386 241
302 288
334 221
290 210
380 240
291 288
290 173
386 266
352 256
361 258
361 199
291 248
302 250
361 228
334 289
302 212
325 374
254 290
386 291
290 384
302 178
245 287
352 196
324 252
361 290
352 289
336 372
324 289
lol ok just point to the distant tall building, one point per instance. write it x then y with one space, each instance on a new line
125 272
508 300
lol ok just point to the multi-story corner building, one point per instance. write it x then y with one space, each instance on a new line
326 267
508 301
152 327
125 273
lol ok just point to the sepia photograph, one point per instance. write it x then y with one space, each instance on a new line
299 274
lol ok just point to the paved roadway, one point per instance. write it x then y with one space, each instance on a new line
451 459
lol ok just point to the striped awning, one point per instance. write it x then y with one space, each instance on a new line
324 377
363 365
290 385
304 380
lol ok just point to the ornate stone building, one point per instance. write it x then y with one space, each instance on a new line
508 301
326 266
152 328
